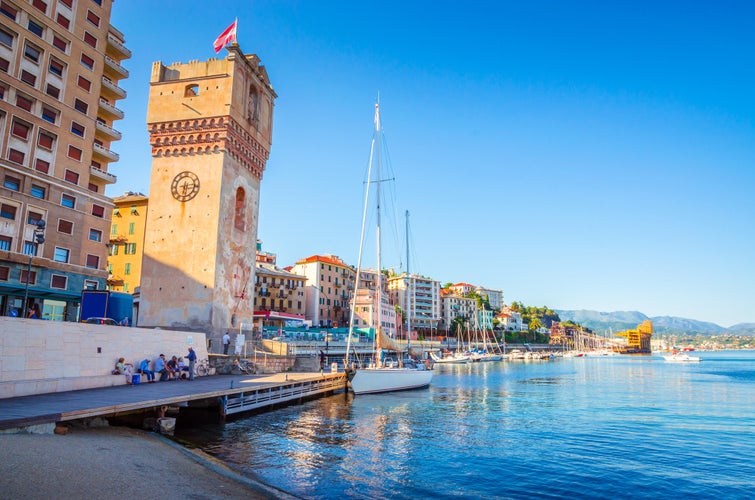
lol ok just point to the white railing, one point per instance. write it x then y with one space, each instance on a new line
117 43
116 66
267 396
106 152
111 132
106 82
105 176
111 108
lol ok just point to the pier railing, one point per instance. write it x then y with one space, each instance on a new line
267 396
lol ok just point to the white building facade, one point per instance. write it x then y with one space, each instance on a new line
419 297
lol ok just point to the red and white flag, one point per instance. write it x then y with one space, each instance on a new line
226 37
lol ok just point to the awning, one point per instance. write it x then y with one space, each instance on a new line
278 315
39 293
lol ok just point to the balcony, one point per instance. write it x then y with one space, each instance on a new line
115 281
104 153
109 111
116 49
110 90
107 133
114 70
106 177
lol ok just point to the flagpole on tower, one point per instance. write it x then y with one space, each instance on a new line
226 37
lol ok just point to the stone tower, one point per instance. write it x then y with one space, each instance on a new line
210 125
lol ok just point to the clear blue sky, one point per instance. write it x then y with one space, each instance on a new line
579 155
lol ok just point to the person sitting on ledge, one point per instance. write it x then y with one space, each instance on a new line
124 368
183 369
144 368
172 366
160 368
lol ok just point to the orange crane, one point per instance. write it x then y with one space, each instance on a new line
638 340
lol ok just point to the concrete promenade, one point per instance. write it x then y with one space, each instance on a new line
59 407
118 462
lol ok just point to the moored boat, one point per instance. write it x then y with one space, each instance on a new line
379 375
456 358
680 357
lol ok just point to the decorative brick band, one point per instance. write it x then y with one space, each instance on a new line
209 136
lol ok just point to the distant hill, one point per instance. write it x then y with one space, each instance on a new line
603 321
624 320
743 329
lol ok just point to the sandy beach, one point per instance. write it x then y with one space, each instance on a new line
115 462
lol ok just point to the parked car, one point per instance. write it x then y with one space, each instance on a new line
102 321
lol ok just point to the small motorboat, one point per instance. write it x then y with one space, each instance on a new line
678 357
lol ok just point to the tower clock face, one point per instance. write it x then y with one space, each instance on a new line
185 186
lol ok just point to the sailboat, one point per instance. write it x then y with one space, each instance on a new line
378 376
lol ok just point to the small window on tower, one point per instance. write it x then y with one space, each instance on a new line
239 221
191 91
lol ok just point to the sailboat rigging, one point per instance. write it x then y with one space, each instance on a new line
379 376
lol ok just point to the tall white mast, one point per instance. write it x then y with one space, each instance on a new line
408 282
379 291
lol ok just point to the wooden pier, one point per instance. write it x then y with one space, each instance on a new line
231 394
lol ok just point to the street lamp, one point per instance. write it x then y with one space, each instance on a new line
39 238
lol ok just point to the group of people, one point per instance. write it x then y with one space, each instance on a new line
32 312
169 369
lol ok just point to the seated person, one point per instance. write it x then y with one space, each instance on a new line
160 368
144 368
172 366
183 368
124 368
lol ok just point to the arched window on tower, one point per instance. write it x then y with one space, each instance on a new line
253 105
239 221
191 90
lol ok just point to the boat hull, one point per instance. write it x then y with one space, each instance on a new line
681 358
454 359
375 380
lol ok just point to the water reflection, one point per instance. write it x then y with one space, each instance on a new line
491 430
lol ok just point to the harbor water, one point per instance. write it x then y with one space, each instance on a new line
592 427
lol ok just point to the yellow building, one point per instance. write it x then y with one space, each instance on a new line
278 294
59 82
210 125
124 262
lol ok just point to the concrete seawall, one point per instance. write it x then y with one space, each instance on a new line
39 357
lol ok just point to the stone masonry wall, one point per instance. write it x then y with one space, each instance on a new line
38 356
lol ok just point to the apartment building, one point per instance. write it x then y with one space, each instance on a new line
60 66
495 297
365 312
124 262
278 294
511 321
455 306
330 283
419 297
462 289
